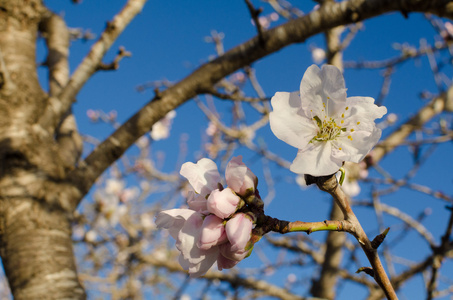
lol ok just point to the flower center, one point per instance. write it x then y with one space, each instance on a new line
328 130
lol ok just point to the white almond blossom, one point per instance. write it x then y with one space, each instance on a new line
161 129
327 127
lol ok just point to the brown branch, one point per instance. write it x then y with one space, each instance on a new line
234 279
255 13
330 185
433 108
56 34
115 64
204 78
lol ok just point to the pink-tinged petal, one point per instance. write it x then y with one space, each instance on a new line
236 255
196 202
288 122
173 220
199 269
223 203
202 176
240 178
239 230
212 232
225 263
316 160
211 255
188 236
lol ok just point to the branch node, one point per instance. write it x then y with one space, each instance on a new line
115 64
157 93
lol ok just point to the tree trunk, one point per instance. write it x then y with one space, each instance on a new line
35 218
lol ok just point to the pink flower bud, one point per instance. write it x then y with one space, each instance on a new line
225 263
223 203
239 230
240 178
235 255
212 232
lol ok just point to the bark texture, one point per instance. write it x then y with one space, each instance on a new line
35 224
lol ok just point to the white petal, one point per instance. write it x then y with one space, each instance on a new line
188 236
211 255
202 176
356 148
173 220
361 113
288 122
235 173
198 260
316 160
196 202
333 88
322 86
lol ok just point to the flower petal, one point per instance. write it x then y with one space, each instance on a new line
239 230
173 220
188 236
212 232
316 160
356 145
200 269
223 203
225 263
196 202
240 178
322 86
288 122
202 176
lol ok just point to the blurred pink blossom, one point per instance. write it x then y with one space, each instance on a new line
161 129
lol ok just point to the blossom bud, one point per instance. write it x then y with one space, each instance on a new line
212 232
223 203
225 263
235 255
238 230
240 178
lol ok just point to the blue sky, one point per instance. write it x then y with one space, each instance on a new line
167 42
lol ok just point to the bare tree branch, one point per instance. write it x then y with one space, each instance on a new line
202 80
60 104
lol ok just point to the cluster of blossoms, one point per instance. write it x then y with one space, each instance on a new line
217 227
327 127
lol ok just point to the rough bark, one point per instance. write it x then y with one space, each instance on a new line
35 223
